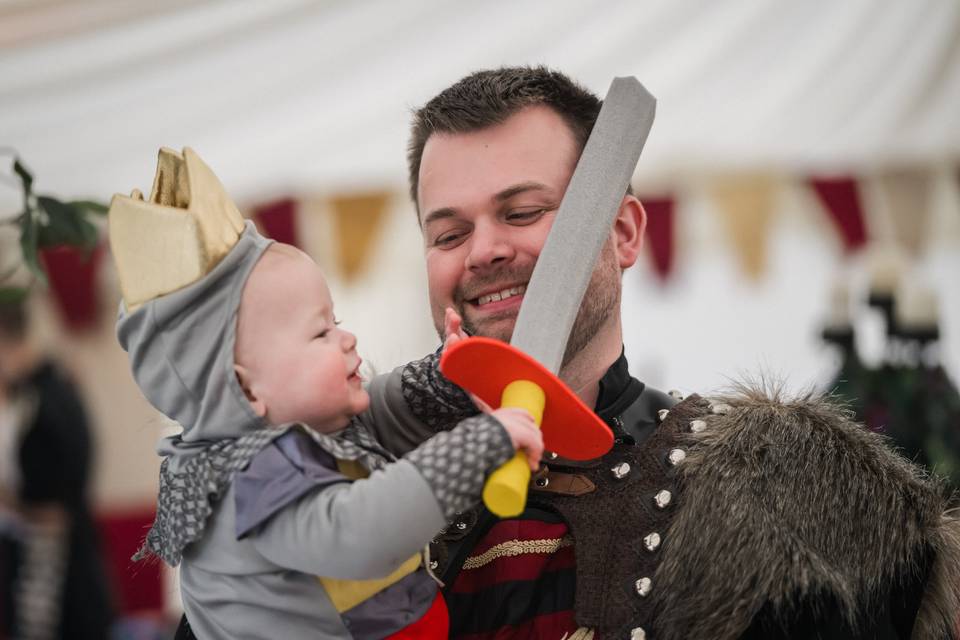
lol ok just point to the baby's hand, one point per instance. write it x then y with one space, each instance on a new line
524 433
452 328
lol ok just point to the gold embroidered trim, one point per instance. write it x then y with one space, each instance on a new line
517 548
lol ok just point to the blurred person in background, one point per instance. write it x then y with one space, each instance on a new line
53 580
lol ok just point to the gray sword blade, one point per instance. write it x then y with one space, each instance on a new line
583 222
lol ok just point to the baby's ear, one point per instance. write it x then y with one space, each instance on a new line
243 377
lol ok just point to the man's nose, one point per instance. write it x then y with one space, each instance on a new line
489 247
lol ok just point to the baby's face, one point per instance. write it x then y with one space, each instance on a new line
294 363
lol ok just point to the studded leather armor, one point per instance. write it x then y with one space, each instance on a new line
619 528
617 537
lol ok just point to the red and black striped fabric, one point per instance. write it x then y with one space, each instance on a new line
518 582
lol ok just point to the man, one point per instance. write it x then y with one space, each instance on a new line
52 573
747 517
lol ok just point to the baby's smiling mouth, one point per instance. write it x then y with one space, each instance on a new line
355 374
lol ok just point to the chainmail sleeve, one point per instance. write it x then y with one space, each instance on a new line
432 398
455 463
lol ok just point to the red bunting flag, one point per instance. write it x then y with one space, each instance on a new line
278 220
841 200
72 274
661 225
139 587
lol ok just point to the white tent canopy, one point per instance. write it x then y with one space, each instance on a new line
307 96
304 98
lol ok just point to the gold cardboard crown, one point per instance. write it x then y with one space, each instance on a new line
179 235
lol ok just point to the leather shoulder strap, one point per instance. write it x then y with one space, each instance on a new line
639 420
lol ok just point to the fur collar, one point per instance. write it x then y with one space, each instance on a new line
787 498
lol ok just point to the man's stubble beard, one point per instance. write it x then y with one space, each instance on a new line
600 301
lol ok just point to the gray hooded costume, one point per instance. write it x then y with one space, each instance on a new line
254 515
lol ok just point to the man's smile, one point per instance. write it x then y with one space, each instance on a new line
499 299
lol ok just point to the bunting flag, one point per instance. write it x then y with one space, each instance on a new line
746 205
907 195
841 201
278 220
944 222
661 225
139 587
72 274
357 220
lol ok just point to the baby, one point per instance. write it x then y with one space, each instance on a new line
286 517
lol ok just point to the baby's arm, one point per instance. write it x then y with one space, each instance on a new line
366 529
415 401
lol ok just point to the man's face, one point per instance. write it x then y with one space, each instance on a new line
487 202
298 362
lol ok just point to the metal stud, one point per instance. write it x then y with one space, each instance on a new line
676 395
542 482
662 499
721 408
652 541
637 633
461 525
698 425
552 455
643 586
662 414
433 565
621 470
676 456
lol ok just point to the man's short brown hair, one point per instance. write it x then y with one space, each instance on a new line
487 98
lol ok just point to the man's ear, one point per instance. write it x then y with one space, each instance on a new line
629 228
243 377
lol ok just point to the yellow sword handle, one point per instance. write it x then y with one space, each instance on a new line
505 492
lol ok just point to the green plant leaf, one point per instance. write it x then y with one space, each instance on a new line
13 295
28 245
66 224
89 205
25 176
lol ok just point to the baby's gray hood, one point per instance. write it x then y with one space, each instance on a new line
181 344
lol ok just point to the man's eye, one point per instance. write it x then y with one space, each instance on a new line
522 216
447 240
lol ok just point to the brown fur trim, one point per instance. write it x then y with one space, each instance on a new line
790 501
939 615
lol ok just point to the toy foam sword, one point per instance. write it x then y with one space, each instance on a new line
523 373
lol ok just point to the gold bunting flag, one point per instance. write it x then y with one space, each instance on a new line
906 193
746 206
357 220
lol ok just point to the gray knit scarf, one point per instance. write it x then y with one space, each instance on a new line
189 491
